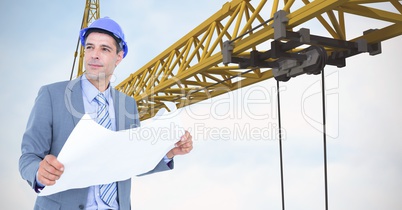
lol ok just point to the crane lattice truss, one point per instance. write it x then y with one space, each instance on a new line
191 70
91 13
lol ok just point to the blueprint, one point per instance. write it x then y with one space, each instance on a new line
95 155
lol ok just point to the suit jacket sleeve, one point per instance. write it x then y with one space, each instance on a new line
37 137
162 166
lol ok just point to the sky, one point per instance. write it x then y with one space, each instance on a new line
235 160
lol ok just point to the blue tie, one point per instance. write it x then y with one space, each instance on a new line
108 192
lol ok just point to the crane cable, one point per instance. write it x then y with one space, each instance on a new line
324 138
324 141
280 145
251 30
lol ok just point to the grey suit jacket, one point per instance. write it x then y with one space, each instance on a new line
57 109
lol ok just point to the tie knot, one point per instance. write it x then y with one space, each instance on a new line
101 99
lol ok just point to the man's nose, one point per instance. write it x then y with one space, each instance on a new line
95 54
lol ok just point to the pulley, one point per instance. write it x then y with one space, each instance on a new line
315 60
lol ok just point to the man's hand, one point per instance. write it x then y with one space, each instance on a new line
182 147
50 170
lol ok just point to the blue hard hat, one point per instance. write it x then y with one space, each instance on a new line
110 26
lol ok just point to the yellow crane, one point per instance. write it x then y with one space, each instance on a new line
226 51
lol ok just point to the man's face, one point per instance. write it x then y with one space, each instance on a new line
100 57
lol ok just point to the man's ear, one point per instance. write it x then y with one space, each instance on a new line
119 57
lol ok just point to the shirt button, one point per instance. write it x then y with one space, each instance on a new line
81 206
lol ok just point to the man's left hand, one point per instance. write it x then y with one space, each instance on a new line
182 147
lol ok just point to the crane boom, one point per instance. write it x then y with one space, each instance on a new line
191 70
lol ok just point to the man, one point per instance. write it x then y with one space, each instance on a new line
59 107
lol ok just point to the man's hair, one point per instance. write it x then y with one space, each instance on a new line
118 42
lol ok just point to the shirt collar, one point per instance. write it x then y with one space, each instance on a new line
90 91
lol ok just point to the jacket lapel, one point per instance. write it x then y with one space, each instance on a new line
73 99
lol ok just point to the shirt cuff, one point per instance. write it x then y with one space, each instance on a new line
166 159
38 186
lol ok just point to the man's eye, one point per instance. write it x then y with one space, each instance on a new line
88 47
106 49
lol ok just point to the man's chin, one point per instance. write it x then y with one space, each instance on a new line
95 76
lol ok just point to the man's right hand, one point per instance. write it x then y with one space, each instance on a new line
50 170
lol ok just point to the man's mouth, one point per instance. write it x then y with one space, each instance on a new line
95 65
